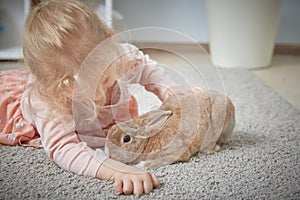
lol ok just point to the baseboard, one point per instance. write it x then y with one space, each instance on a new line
286 49
167 46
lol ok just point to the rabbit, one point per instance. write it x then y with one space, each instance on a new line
182 126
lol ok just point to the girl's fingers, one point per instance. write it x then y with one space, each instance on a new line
127 186
132 184
118 186
154 179
138 186
148 184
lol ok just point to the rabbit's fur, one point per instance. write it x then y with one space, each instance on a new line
181 127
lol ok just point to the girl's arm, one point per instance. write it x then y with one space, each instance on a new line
72 155
145 71
63 146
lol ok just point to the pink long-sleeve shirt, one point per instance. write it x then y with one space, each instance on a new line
81 153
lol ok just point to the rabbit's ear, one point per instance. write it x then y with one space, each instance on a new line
157 120
151 123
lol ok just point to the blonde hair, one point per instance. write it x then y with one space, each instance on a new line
58 35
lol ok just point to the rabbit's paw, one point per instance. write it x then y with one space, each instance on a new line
212 149
217 148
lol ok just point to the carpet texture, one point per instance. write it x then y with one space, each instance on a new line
260 162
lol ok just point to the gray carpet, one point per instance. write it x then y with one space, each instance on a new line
260 162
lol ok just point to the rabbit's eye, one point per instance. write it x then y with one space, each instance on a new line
126 138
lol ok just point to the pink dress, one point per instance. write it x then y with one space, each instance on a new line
14 128
74 148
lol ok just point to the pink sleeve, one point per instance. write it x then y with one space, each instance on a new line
145 71
61 142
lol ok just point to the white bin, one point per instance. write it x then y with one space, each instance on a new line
242 32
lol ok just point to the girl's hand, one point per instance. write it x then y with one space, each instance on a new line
135 182
127 179
181 90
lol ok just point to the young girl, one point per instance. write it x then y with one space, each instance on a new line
38 107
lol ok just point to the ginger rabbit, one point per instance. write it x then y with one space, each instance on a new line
181 127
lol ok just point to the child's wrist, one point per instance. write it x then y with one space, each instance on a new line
106 171
110 169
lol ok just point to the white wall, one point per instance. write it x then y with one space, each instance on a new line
12 17
289 26
188 17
